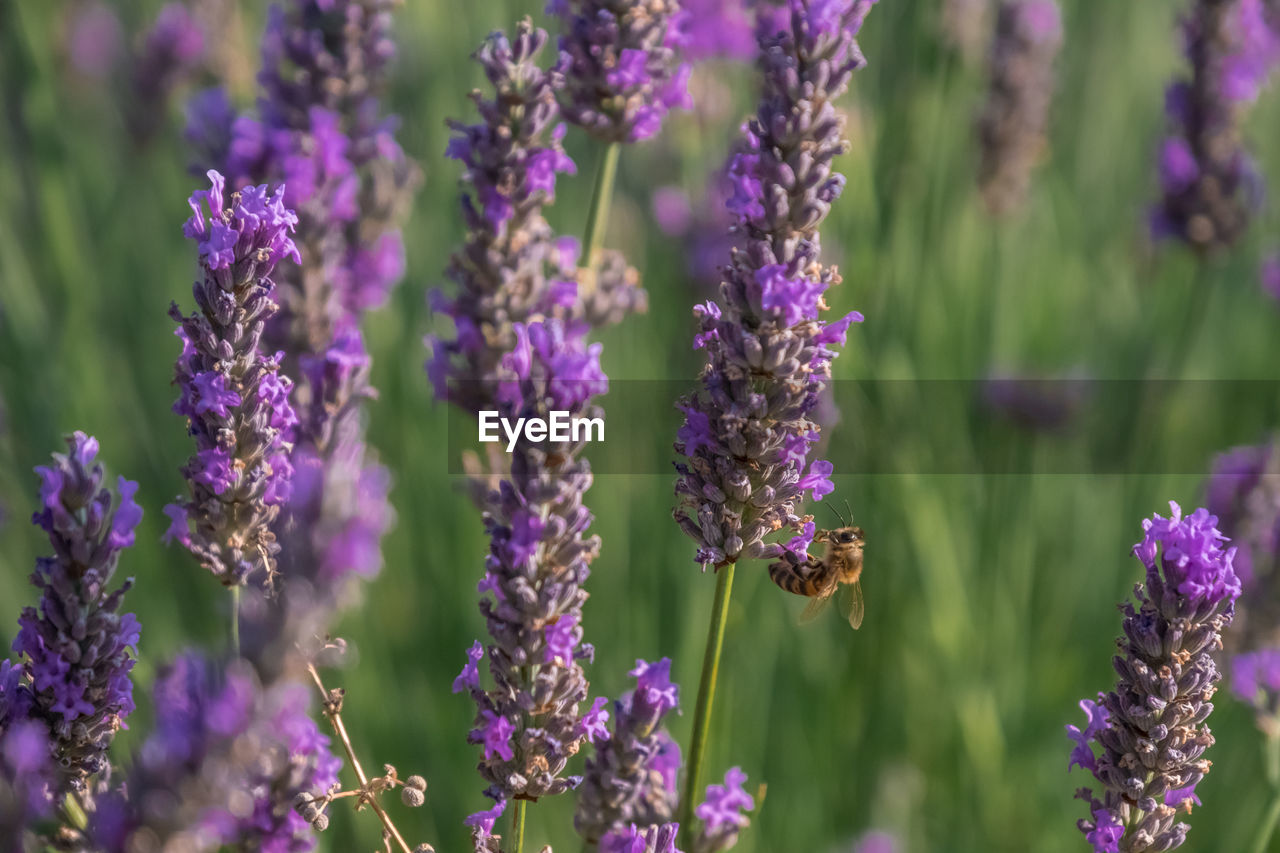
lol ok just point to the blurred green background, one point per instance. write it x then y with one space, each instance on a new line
990 599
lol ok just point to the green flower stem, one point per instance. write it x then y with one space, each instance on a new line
601 200
235 620
1268 826
517 826
706 694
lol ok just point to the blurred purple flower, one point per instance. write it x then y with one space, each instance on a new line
633 839
238 753
1209 184
721 813
1269 276
711 29
1012 128
93 38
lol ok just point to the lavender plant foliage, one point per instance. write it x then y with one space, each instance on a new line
234 398
1209 184
1150 729
1012 127
76 646
221 769
528 722
721 813
650 839
747 430
631 778
621 68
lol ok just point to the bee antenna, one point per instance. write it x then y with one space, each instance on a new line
837 514
846 508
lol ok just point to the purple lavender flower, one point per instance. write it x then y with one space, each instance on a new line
502 269
721 813
629 780
77 645
238 754
747 431
235 401
1151 727
512 268
1209 183
633 839
621 71
1013 124
528 723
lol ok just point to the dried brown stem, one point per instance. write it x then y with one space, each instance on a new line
334 715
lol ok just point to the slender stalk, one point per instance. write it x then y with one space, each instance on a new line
601 200
702 710
1268 826
334 716
517 826
235 620
75 813
1174 361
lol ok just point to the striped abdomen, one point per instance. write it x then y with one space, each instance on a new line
812 578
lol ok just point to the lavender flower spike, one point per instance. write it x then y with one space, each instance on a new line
235 400
1150 729
78 647
747 431
528 724
1208 181
512 269
1014 121
621 71
631 780
511 159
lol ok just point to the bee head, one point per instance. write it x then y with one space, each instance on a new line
848 535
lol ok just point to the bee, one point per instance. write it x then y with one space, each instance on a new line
818 578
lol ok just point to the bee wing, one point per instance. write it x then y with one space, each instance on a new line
814 608
855 605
